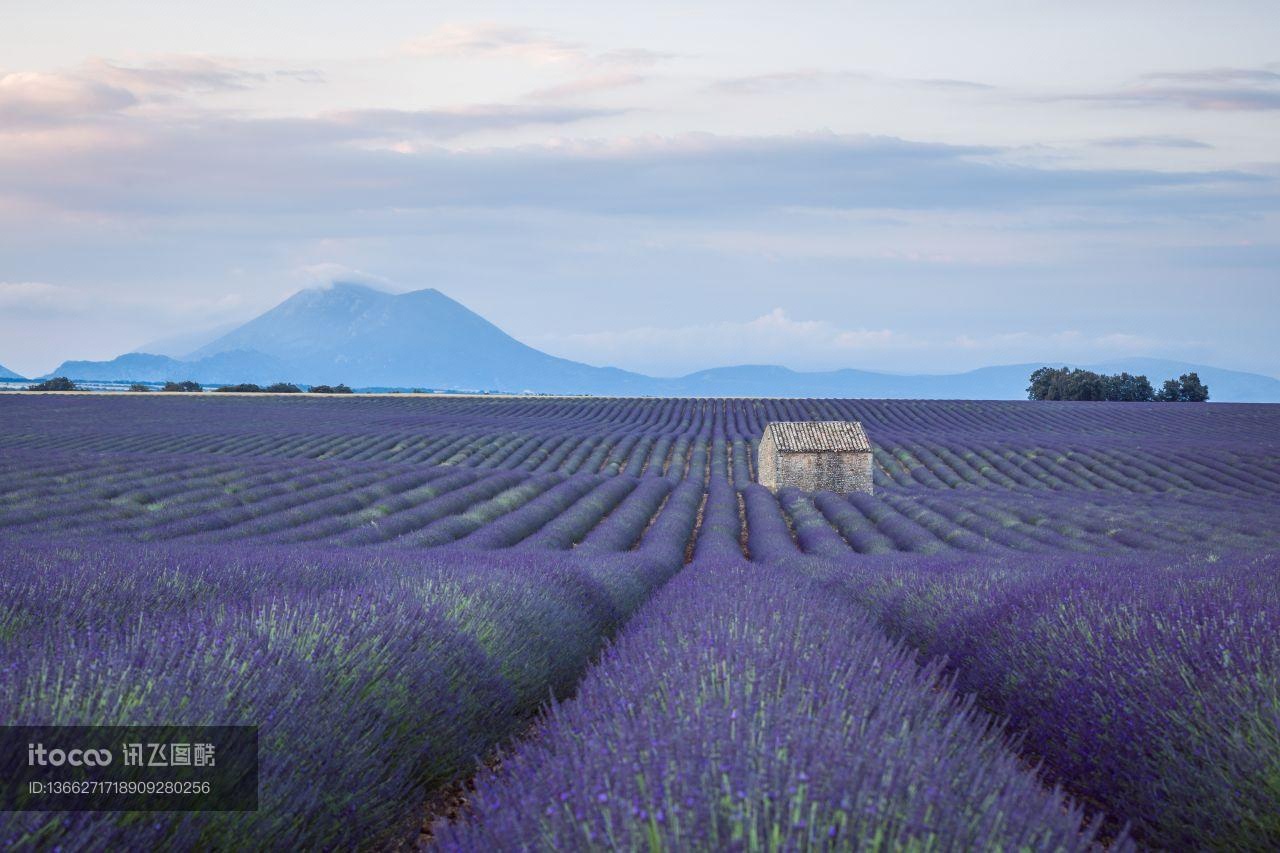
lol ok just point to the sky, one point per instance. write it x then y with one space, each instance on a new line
904 186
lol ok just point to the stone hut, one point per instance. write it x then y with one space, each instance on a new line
815 455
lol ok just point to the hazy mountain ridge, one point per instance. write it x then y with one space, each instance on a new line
365 337
181 345
1002 382
6 373
368 338
248 365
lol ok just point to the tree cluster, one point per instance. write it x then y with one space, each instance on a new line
251 388
1050 383
1187 388
57 383
62 383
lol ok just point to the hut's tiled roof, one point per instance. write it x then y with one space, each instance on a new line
817 436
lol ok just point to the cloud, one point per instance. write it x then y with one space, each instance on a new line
38 296
1213 89
315 165
157 176
488 39
43 324
632 57
1218 76
810 79
34 98
178 73
594 70
300 75
328 273
100 88
1153 141
783 81
1069 341
947 83
161 76
588 85
777 338
448 123
770 338
57 299
1220 100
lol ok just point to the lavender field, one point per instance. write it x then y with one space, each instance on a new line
1053 626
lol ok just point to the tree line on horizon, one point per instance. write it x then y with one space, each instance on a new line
1047 383
1063 383
62 383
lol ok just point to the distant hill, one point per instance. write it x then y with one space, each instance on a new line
6 373
364 337
367 338
760 380
179 345
1234 386
235 366
1006 382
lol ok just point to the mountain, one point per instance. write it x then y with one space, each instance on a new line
1235 386
1005 382
368 338
759 380
6 373
363 337
180 344
228 367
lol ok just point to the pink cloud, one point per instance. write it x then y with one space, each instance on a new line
31 97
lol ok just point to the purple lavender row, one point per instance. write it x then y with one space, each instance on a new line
277 497
813 531
568 528
745 709
720 533
160 492
769 538
622 528
506 530
374 678
347 494
30 421
273 498
464 520
1147 683
1035 454
407 521
871 528
671 531
338 516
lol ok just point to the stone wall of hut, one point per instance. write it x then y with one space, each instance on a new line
831 471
